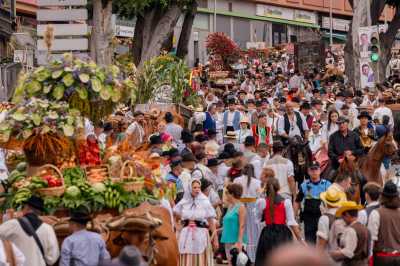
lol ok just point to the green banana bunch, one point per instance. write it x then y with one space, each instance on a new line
21 196
112 197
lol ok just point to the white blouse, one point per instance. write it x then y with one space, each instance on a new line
290 218
327 133
251 191
192 239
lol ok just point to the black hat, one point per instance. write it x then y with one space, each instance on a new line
211 132
224 155
36 202
186 136
188 157
155 139
364 114
229 148
390 190
258 103
314 165
80 216
342 119
231 101
201 138
175 163
212 162
315 91
305 106
249 141
130 255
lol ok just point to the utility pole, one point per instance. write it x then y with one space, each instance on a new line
215 15
331 23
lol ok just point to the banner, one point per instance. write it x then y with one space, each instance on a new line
367 74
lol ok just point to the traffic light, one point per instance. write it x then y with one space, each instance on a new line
374 48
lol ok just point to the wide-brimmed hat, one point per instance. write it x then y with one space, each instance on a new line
199 109
332 197
347 206
396 86
390 190
230 135
79 216
36 202
213 162
188 157
364 114
245 120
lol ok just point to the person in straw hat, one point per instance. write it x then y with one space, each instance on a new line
244 130
354 242
331 200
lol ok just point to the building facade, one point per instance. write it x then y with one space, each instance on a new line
271 22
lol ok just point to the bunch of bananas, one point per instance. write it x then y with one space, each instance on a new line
21 196
112 197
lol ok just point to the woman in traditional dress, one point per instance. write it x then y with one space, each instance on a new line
244 130
197 217
278 215
251 191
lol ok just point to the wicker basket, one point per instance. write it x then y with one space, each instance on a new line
134 185
105 168
52 191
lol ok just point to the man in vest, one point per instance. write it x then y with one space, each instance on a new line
210 123
291 124
372 193
354 242
384 225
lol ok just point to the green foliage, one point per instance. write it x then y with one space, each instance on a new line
131 8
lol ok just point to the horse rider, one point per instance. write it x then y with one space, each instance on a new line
366 131
344 143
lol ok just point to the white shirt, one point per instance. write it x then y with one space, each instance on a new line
315 141
362 215
327 133
11 230
283 169
381 111
290 220
294 129
18 255
221 175
258 164
136 127
323 224
249 191
229 121
242 134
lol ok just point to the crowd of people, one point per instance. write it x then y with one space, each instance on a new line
239 196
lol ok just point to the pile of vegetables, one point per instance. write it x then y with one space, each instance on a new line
39 116
92 90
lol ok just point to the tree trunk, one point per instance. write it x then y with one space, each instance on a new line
352 49
183 44
138 40
102 32
154 37
168 44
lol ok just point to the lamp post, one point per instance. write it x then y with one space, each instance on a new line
215 15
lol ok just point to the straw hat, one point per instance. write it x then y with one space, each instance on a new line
396 86
155 112
332 197
245 120
230 135
348 206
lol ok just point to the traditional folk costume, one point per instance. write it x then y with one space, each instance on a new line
250 194
276 231
194 240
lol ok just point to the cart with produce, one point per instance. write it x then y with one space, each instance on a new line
43 129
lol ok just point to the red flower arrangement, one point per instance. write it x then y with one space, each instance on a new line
220 44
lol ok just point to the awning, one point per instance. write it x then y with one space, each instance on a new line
275 20
337 36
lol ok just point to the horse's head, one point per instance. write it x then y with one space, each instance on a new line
389 144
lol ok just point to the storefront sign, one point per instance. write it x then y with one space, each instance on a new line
124 31
256 45
286 13
338 24
62 2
